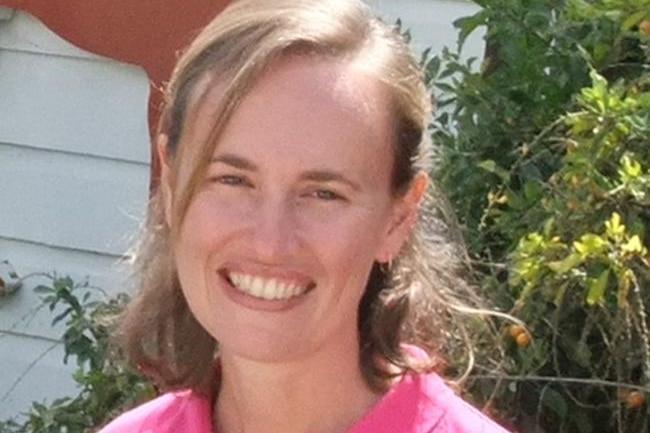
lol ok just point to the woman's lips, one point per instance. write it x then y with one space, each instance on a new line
267 287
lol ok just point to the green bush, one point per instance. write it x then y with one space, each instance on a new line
107 386
545 156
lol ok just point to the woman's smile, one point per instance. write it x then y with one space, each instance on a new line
272 290
269 289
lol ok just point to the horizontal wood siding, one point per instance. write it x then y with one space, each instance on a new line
31 371
74 167
56 100
70 200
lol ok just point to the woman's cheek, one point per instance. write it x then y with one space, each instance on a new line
347 236
206 220
214 208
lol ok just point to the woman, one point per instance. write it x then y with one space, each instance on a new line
286 278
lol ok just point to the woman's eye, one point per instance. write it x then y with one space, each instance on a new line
325 194
230 180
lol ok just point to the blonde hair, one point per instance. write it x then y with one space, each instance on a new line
401 304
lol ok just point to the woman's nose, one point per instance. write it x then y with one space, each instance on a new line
274 230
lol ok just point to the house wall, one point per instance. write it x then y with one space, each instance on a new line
74 176
74 179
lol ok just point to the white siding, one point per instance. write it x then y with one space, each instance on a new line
35 372
430 23
74 176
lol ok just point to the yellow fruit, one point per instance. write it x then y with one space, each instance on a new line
523 339
635 399
644 27
516 330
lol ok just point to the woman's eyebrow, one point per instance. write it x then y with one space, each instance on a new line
234 161
311 175
330 176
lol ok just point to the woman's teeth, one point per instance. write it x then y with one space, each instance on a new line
265 288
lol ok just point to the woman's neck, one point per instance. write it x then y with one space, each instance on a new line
315 394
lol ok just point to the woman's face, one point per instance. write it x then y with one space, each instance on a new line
276 246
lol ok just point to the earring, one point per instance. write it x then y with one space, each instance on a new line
387 266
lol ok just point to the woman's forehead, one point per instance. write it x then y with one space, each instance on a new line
346 81
309 113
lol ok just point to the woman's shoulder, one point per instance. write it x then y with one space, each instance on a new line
170 412
450 413
423 403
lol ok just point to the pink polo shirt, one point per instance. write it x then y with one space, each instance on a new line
417 404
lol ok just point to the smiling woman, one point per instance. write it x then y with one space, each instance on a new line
288 282
290 199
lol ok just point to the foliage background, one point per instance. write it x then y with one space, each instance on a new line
545 155
107 385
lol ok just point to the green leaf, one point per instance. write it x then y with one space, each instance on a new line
432 66
589 244
467 25
581 8
92 304
492 167
633 246
61 316
644 100
560 293
447 88
582 354
555 402
633 20
42 289
631 167
613 227
563 266
597 288
532 191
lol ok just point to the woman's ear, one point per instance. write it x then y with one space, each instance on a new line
162 142
405 215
